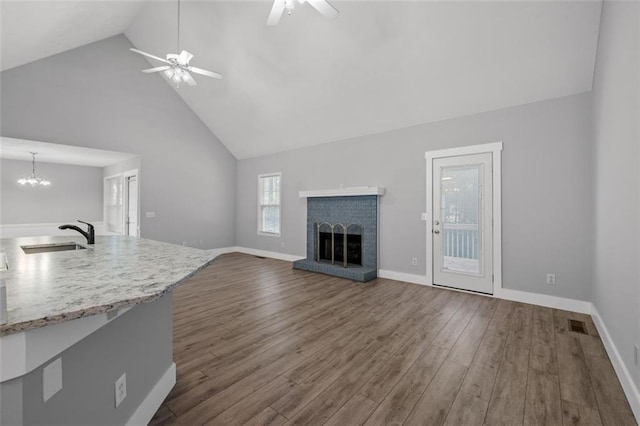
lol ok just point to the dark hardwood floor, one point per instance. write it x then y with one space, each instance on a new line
256 342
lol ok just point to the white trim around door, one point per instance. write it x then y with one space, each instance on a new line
495 149
127 176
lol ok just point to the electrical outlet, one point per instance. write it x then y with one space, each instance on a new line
52 379
121 389
551 279
414 261
150 214
201 242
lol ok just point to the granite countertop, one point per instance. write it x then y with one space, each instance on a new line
117 272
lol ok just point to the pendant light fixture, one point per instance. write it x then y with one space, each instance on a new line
34 180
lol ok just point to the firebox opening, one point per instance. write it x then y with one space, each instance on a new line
354 248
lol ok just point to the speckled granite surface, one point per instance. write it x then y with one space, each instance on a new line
49 288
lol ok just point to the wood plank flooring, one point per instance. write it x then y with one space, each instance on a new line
258 343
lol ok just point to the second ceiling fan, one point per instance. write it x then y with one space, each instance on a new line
279 6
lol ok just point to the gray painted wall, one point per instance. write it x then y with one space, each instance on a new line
138 343
75 193
547 190
616 132
95 96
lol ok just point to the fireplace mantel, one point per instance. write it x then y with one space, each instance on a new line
343 192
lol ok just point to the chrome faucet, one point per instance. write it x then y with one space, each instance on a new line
90 235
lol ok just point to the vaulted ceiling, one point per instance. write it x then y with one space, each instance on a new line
379 66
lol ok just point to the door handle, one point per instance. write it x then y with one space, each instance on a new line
436 231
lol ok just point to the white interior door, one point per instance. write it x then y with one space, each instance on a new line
132 206
463 222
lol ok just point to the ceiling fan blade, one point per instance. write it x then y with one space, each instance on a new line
205 72
186 77
149 55
276 12
184 57
325 8
157 69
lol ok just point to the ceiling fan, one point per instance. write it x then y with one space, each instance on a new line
279 6
178 67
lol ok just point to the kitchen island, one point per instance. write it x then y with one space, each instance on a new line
79 320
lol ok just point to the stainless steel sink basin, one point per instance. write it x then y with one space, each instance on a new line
47 248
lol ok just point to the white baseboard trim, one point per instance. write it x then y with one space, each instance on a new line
144 413
508 294
544 300
628 385
269 254
403 276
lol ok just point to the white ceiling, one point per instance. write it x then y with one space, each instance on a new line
33 30
20 149
379 66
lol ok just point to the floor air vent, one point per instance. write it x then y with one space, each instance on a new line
577 326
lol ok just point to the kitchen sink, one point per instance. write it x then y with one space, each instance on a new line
47 248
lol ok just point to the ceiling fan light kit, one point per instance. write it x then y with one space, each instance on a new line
178 67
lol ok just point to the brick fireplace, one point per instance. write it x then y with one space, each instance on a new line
342 232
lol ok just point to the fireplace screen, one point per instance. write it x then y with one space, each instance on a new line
339 243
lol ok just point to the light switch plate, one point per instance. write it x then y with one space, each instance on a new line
52 379
423 216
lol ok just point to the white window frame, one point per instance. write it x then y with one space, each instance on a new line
260 205
105 195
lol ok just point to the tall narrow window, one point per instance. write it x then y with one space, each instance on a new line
113 204
269 204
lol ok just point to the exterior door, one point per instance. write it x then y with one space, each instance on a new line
463 222
132 206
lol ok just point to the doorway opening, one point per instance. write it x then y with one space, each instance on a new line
121 203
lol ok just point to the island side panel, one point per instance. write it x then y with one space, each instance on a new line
11 403
138 343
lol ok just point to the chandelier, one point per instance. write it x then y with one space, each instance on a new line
34 180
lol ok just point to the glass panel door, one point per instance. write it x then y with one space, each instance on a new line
462 222
460 213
